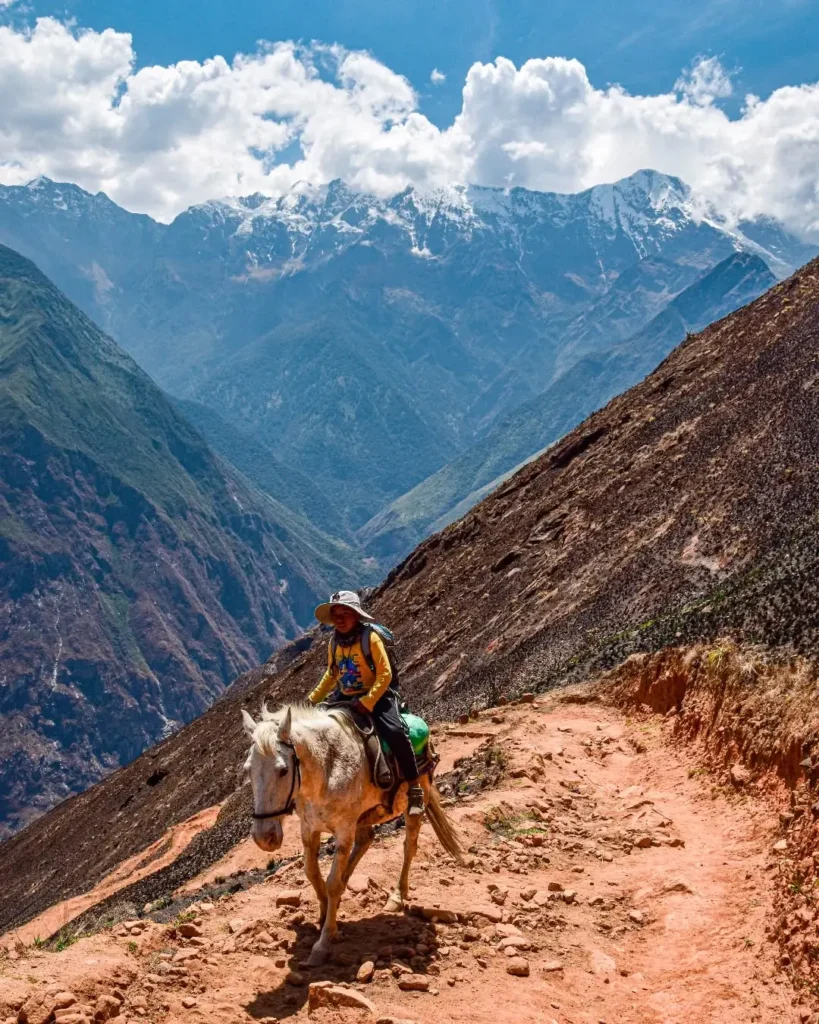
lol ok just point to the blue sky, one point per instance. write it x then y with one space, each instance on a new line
640 44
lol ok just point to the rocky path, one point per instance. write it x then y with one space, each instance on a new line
607 882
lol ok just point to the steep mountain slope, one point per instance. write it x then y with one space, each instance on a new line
319 394
584 387
408 327
685 508
260 464
86 244
140 573
636 296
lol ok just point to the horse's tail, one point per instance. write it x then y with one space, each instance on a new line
444 829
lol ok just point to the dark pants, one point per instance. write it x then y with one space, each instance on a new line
390 726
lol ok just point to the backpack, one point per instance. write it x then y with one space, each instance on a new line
387 638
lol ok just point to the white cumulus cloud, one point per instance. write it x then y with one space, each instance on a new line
705 82
74 106
437 77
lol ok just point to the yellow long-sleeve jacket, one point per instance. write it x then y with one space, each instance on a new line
351 674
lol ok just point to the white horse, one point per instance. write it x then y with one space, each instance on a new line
306 760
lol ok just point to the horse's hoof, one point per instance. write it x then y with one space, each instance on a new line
318 957
394 905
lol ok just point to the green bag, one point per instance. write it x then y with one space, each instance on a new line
418 733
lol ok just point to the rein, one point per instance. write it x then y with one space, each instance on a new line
290 806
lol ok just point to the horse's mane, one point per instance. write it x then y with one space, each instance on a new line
268 725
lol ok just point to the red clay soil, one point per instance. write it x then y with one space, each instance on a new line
606 882
751 724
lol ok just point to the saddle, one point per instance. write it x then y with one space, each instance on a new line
383 768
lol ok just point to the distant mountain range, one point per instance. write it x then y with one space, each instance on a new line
586 385
363 343
139 572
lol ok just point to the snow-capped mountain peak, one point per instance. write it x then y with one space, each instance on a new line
307 208
643 211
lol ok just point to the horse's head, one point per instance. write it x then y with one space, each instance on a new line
274 776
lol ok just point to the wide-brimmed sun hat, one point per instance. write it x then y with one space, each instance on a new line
347 599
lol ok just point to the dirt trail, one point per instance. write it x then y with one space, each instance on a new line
156 856
627 889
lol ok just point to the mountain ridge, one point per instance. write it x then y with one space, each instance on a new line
141 572
307 210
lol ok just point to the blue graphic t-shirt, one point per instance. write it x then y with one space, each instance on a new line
349 675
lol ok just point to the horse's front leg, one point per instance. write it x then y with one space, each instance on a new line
320 953
311 840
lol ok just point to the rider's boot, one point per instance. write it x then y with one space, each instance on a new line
415 800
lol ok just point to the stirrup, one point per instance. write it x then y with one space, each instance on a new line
415 800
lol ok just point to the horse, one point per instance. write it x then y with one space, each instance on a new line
307 760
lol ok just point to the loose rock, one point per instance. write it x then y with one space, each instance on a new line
518 966
324 993
413 983
365 972
493 914
289 898
435 914
106 1007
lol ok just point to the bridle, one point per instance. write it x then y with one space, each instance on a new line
290 806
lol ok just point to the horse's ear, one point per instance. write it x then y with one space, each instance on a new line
248 723
284 728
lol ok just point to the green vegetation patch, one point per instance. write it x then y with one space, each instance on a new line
502 820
